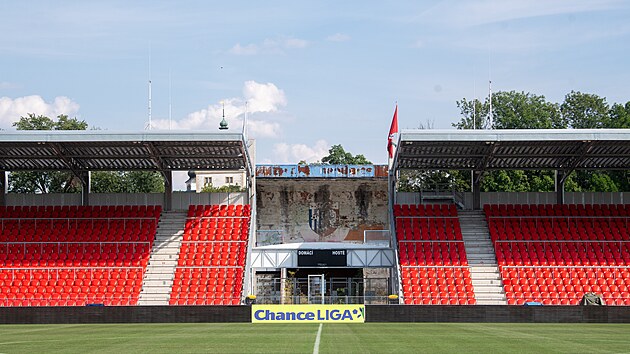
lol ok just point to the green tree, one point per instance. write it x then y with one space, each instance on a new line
438 180
40 122
65 181
144 182
107 182
512 110
473 114
520 110
585 111
127 182
518 181
619 116
338 156
45 182
223 189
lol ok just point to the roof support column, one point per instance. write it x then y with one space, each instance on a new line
4 187
168 190
86 182
476 189
559 186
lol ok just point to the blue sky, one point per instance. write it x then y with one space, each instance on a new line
313 73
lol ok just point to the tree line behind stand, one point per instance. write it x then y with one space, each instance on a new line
117 181
66 182
520 110
510 110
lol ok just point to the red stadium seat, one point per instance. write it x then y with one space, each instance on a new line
213 261
431 251
62 249
564 270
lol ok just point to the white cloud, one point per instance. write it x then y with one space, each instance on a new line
263 97
5 85
338 37
260 99
270 45
293 43
286 153
418 44
238 49
11 109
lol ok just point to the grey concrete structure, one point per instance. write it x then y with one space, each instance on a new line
322 210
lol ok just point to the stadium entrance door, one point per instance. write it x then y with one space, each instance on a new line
320 285
316 288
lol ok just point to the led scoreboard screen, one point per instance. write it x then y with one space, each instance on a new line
322 258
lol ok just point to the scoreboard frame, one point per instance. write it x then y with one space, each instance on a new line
322 258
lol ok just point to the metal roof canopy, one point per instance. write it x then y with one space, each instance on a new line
481 150
95 150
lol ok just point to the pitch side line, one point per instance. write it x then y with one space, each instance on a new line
317 339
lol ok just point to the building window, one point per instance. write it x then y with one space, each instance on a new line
229 180
207 181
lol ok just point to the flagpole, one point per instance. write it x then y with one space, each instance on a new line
393 131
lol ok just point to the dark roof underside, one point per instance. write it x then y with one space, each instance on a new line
105 151
514 149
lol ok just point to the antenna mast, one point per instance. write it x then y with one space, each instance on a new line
490 121
170 106
490 115
474 101
150 123
245 119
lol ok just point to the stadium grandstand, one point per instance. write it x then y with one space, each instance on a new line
314 234
122 249
547 248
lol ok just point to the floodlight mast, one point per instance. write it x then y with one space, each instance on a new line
490 122
170 105
150 123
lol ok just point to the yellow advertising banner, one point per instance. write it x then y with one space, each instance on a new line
308 313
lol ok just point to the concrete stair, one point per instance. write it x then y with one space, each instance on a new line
158 278
484 270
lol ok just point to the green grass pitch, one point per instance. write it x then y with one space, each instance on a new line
300 338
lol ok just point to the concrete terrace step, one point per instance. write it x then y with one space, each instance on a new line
156 285
165 263
165 257
486 282
158 278
161 276
484 269
484 272
487 275
487 289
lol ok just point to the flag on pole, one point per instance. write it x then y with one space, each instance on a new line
393 129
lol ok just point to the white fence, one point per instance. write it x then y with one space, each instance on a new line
181 200
530 198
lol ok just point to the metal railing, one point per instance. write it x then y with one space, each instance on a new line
377 236
72 222
556 221
269 237
60 245
337 290
68 300
276 237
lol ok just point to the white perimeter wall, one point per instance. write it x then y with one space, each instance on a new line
531 198
181 200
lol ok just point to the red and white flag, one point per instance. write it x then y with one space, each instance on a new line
393 129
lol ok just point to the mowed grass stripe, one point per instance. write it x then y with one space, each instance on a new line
157 338
476 338
299 338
